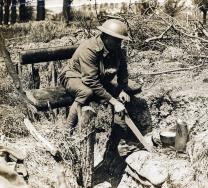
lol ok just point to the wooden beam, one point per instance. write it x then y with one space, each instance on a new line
47 54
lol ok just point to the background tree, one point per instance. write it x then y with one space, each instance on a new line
6 11
173 7
67 10
1 11
41 10
147 7
102 10
111 7
124 7
203 6
84 7
106 7
29 11
116 6
13 12
22 16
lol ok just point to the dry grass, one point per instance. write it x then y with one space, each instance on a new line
40 164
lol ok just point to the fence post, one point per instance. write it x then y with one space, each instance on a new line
87 137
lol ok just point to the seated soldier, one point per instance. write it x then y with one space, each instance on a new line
94 64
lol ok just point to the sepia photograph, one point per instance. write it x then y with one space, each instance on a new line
103 94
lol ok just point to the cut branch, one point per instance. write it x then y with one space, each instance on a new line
173 70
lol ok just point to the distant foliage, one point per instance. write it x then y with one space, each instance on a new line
203 6
173 7
29 11
124 8
147 7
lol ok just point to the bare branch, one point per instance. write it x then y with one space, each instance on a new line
173 70
159 37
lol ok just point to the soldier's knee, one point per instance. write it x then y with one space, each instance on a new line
88 93
86 96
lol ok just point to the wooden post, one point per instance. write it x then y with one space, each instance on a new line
87 137
54 82
35 77
181 136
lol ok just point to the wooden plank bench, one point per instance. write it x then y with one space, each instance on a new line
57 95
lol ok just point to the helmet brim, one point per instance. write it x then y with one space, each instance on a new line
104 30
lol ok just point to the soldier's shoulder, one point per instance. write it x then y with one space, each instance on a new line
92 43
97 43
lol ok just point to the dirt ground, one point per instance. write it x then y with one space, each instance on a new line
169 95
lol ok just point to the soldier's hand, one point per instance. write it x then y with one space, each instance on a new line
118 106
124 97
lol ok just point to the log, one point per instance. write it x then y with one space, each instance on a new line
181 136
57 97
47 54
87 135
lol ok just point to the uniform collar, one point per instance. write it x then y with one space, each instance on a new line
100 46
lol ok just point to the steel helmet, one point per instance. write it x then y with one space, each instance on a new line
114 28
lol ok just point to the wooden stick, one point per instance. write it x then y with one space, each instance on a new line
49 147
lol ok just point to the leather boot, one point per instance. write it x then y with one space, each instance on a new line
74 113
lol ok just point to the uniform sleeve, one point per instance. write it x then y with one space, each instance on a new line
88 59
122 75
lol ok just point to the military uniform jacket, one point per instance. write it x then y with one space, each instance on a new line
96 66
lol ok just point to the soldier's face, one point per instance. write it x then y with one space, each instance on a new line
112 43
